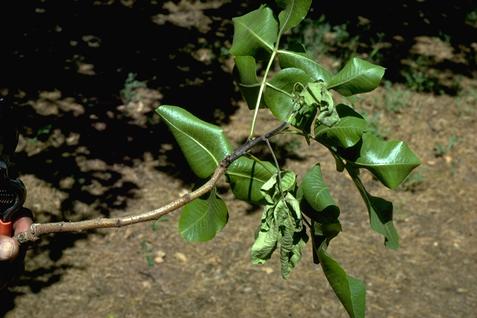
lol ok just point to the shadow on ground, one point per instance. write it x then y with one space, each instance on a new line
73 68
403 36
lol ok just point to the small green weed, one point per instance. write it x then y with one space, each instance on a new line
374 124
395 98
466 101
313 35
378 44
441 150
45 130
417 76
41 134
320 37
155 224
412 182
419 81
148 253
128 93
471 18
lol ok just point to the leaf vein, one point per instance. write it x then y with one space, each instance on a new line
256 36
193 139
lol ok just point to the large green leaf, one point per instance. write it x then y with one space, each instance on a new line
204 145
380 214
254 31
350 291
298 58
390 161
324 230
357 76
346 132
317 203
201 220
294 11
247 176
246 74
316 192
278 94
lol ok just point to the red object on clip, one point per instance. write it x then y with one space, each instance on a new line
6 228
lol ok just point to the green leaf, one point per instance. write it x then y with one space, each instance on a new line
357 76
316 193
254 31
247 176
340 166
380 214
316 95
317 203
291 251
272 192
350 291
300 59
321 232
246 74
346 132
281 224
390 161
204 145
293 236
381 220
294 11
288 181
278 94
266 239
201 220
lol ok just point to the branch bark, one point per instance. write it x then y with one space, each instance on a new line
37 229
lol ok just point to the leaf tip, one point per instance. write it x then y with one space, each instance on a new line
392 245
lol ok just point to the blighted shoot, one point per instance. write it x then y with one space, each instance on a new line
313 105
300 95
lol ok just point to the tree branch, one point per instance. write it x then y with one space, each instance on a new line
37 229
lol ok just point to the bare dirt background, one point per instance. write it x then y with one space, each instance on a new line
91 146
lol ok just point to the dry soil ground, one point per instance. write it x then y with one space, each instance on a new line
149 271
432 275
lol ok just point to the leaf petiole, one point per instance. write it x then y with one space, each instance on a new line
264 80
260 91
279 175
